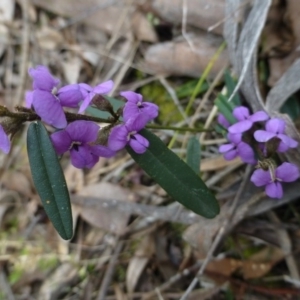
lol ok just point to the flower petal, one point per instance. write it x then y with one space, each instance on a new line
70 95
42 79
263 136
85 89
223 121
282 147
104 87
226 147
117 139
132 97
230 155
246 153
261 177
28 99
136 123
95 159
274 190
291 143
287 172
240 127
150 109
4 141
81 157
86 102
275 125
138 143
130 110
234 138
241 113
83 131
259 116
103 151
49 109
61 141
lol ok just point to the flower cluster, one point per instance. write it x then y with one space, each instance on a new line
80 135
258 146
136 115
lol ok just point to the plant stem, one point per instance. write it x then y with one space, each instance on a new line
25 114
178 128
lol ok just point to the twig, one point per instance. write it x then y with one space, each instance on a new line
25 51
173 280
110 271
5 287
173 95
223 229
286 246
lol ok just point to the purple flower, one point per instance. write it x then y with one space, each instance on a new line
275 128
4 141
136 107
70 95
223 121
237 148
43 98
124 134
245 120
100 89
78 138
272 178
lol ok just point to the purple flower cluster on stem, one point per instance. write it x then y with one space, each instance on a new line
82 138
48 101
270 175
136 115
78 138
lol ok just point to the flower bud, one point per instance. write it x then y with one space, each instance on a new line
102 104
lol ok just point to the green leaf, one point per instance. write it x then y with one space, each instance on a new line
291 107
230 85
193 154
175 177
225 108
116 104
49 179
187 89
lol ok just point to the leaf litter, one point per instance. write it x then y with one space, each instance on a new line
131 241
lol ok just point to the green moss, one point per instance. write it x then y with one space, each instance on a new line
15 275
168 112
45 264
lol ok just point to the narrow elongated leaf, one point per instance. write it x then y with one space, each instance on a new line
225 108
175 177
230 85
193 154
49 179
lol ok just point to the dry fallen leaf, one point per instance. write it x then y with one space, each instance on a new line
199 13
178 58
102 216
49 38
255 267
139 261
7 9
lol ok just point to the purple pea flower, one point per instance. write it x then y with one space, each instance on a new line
245 120
136 107
43 98
272 179
275 128
4 141
127 133
237 148
70 95
223 121
100 89
78 138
